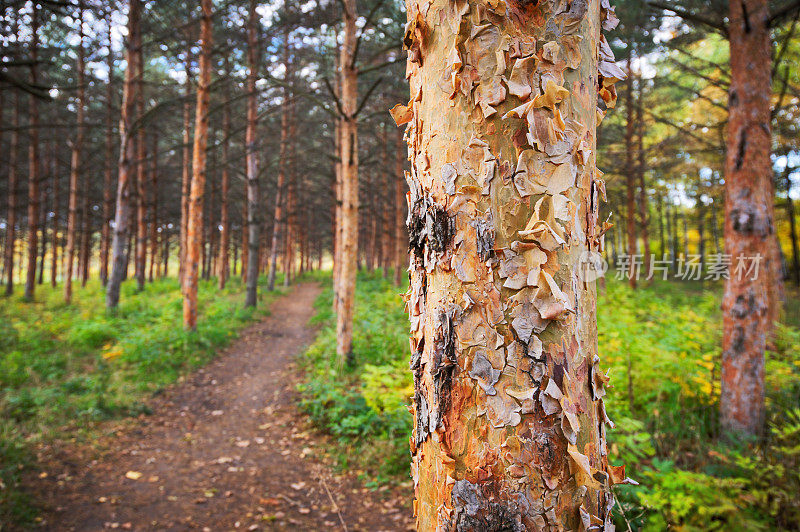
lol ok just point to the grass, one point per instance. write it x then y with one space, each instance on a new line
667 333
65 367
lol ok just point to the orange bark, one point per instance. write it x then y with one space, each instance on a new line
194 228
509 429
749 225
33 161
72 219
348 154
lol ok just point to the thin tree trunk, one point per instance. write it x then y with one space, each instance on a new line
194 228
792 229
224 258
33 156
283 169
630 176
43 224
253 214
140 263
641 168
56 214
401 236
86 235
186 168
127 155
349 188
11 222
154 245
508 390
105 230
748 299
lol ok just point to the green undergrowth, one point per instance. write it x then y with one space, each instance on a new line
661 346
65 367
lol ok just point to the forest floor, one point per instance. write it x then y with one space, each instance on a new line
224 449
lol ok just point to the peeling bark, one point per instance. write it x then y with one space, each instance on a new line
508 406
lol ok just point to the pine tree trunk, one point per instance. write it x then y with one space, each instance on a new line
186 168
224 244
74 171
122 219
33 161
194 227
630 176
792 229
154 245
56 213
348 155
140 264
283 168
641 168
748 301
253 214
105 231
509 418
401 236
13 194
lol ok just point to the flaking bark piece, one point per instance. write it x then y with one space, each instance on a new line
483 372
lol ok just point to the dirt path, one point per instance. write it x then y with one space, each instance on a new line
224 450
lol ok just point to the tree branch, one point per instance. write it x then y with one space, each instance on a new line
691 17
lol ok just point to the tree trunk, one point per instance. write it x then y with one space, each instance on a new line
33 156
348 154
194 227
224 237
56 214
630 176
74 170
140 263
283 168
748 220
153 209
11 222
43 224
253 213
105 231
510 423
401 236
792 229
127 155
641 168
186 168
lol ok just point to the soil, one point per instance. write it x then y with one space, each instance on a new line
224 449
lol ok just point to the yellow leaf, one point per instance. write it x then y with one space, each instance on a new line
133 475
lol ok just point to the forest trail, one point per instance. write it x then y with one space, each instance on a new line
226 449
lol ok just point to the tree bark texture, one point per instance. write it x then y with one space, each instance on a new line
509 429
348 154
75 163
108 176
127 156
748 220
194 227
253 213
13 184
33 161
225 234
